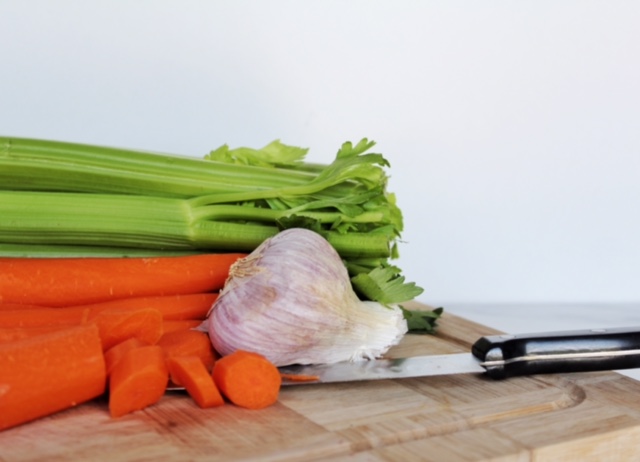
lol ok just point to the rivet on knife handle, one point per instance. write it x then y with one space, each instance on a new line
558 352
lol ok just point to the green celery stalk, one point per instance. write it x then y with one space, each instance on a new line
31 164
113 220
59 198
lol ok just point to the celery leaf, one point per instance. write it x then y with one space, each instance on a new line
421 321
275 154
385 285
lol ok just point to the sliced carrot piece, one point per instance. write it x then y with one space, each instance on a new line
138 380
188 343
118 325
114 354
190 372
299 377
247 379
48 373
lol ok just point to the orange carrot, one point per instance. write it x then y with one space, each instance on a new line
114 354
61 282
44 317
190 372
187 324
173 307
188 343
118 325
299 377
48 373
12 334
19 306
247 379
114 325
138 380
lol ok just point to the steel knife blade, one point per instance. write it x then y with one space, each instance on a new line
497 356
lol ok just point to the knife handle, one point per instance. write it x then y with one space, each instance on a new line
556 352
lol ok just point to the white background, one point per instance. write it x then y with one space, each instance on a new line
512 128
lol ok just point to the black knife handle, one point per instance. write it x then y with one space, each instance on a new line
557 352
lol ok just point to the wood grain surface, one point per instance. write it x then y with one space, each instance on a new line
582 417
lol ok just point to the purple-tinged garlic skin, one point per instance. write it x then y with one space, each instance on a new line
291 300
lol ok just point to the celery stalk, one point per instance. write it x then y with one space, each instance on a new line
60 198
161 223
31 164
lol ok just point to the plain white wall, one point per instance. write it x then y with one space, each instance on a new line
512 128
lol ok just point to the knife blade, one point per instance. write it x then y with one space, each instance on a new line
497 356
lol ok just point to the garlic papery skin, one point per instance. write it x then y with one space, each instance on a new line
291 300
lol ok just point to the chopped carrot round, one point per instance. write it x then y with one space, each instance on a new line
247 379
188 343
114 354
138 380
118 325
48 373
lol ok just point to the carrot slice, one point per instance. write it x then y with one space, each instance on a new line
118 325
114 354
138 380
59 282
299 377
188 343
190 372
49 373
247 379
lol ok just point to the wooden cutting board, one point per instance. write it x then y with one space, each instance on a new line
584 416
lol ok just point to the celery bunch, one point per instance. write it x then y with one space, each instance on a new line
67 199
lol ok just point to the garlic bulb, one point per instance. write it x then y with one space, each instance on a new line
291 300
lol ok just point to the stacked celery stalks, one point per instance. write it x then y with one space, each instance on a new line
61 199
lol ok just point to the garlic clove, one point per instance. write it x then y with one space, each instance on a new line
291 300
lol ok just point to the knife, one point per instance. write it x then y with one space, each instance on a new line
497 356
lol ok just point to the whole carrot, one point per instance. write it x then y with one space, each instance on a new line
189 307
59 282
12 334
49 373
173 307
19 306
44 317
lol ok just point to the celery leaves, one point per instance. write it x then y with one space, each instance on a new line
81 198
272 155
422 321
385 285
